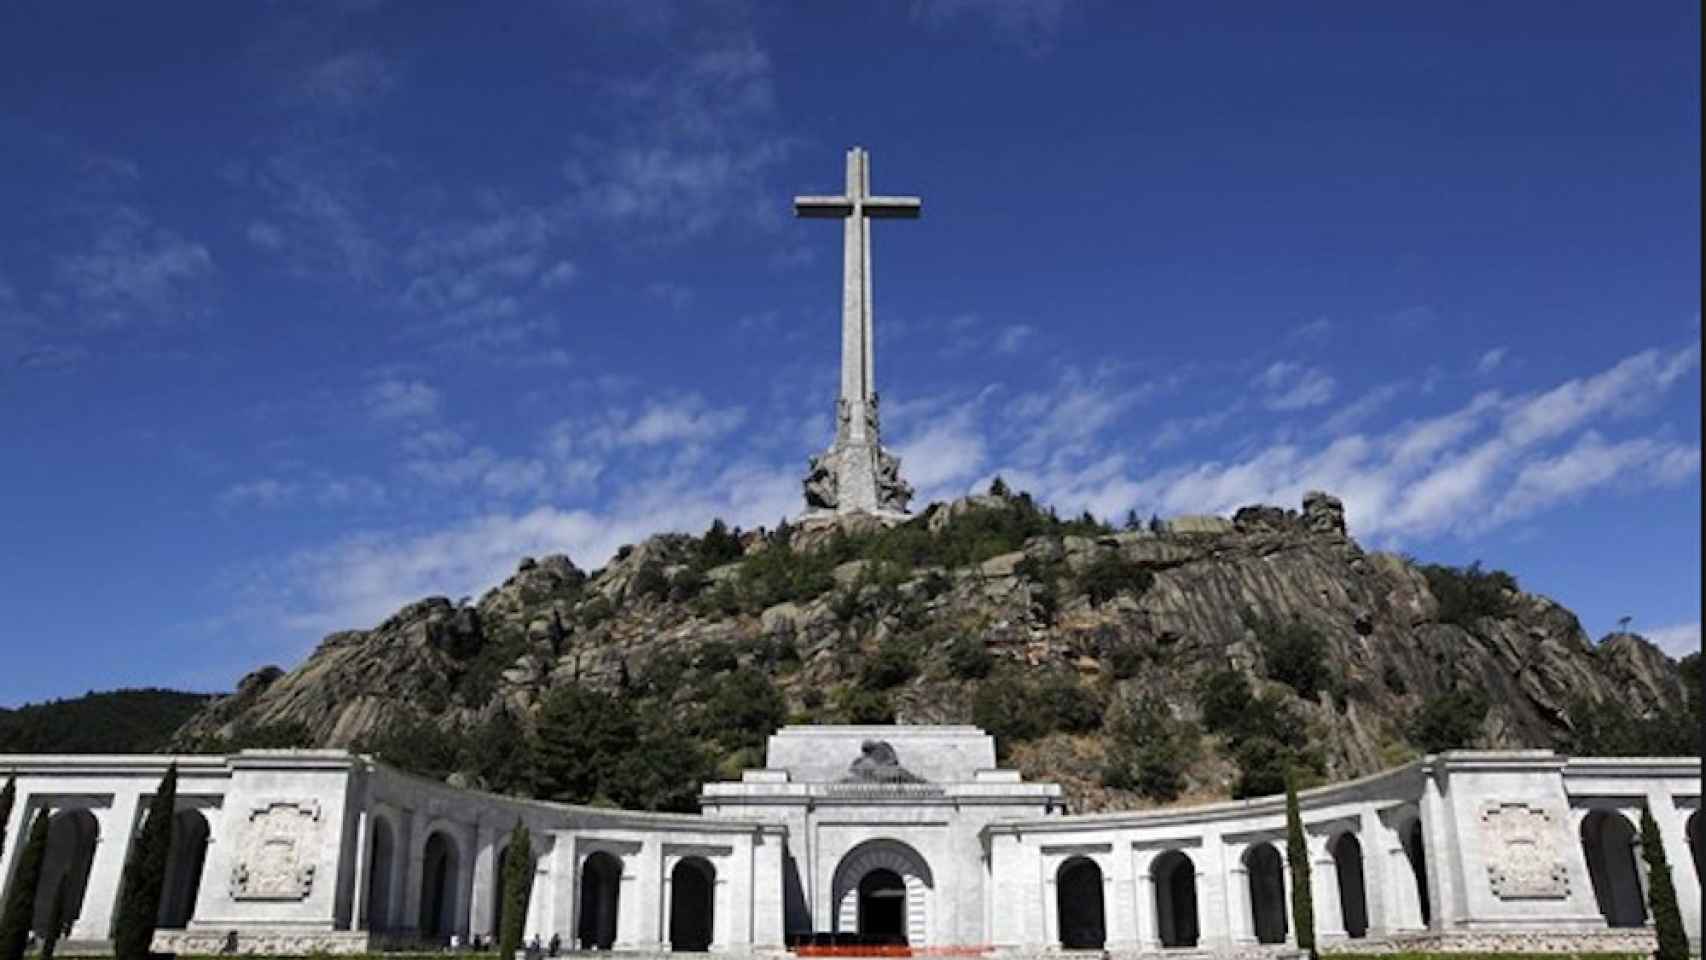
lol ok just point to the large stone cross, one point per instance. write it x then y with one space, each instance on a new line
856 475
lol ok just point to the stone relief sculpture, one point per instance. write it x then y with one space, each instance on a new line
820 483
892 491
878 763
275 857
1522 857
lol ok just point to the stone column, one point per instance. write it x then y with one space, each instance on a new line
1324 883
1436 842
1143 901
117 826
17 827
1240 925
1371 836
1215 907
487 884
465 882
413 854
1285 897
640 910
363 869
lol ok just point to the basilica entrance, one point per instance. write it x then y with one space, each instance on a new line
881 892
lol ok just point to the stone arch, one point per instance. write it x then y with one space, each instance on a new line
692 905
600 900
71 839
1266 870
892 857
441 867
1078 903
1410 837
1608 841
381 869
190 834
1346 851
1175 879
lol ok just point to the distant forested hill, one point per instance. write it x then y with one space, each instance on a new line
118 721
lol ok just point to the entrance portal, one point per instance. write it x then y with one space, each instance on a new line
882 906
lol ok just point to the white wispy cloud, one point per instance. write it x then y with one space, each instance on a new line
1677 639
1490 360
134 268
1030 24
401 400
357 78
1292 386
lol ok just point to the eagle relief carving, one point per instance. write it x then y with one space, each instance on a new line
878 763
1522 855
275 857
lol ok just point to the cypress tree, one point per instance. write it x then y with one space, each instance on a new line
55 920
8 794
144 874
517 888
1661 893
1297 851
21 901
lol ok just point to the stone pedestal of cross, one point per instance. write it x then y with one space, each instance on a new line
856 475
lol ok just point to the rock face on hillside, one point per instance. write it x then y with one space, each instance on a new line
1213 581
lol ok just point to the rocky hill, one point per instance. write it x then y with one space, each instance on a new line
1184 659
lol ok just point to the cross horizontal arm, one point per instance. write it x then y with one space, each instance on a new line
822 206
907 207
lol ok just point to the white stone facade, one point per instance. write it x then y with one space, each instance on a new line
908 831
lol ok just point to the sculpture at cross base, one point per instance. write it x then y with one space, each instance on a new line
856 475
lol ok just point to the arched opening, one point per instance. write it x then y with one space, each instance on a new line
1175 879
439 869
882 889
601 888
183 869
882 906
1078 899
1697 847
693 887
1418 857
381 862
1609 843
1267 893
1353 898
71 839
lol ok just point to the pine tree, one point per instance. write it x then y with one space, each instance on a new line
517 888
1131 521
21 901
145 874
1661 893
8 794
998 487
1297 851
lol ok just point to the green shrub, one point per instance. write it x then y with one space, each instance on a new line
895 662
742 709
595 611
649 581
719 545
1109 575
687 584
1449 721
1150 750
1610 729
1296 655
716 656
969 659
517 887
1297 856
1125 659
1223 697
1466 594
861 705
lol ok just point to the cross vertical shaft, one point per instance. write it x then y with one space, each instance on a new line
857 488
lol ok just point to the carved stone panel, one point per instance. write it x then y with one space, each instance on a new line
1523 862
275 857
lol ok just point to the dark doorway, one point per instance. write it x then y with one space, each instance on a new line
1078 896
439 869
601 888
1609 843
183 869
1267 893
882 906
693 886
1418 857
1176 899
381 861
71 839
1353 898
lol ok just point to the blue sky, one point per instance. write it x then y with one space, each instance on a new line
308 310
